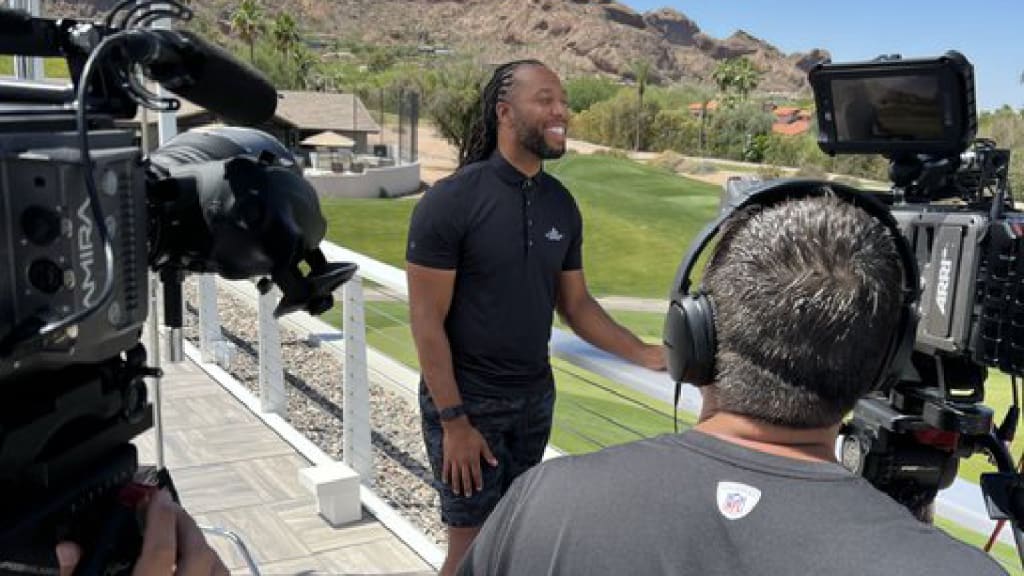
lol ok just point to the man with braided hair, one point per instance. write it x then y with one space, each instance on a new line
493 251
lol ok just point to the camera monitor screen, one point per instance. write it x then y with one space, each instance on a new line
896 106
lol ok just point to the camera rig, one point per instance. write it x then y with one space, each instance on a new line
83 216
951 196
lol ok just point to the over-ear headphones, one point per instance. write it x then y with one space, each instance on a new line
689 334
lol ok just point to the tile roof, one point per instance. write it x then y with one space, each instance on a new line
791 128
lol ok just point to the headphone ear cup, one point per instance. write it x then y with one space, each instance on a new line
676 338
689 337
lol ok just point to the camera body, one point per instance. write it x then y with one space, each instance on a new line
950 195
53 252
84 217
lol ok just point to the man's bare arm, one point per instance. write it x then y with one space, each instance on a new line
590 321
430 297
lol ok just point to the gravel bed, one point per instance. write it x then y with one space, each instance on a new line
313 381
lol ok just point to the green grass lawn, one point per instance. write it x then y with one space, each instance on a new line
1003 553
638 220
54 67
377 228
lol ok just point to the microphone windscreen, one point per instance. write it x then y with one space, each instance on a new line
227 87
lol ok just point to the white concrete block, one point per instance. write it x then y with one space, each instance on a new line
336 487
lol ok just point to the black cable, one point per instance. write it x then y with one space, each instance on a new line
612 391
151 16
178 10
675 407
108 21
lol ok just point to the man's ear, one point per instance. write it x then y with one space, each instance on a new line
502 110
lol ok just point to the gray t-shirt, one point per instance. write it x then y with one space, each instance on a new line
695 504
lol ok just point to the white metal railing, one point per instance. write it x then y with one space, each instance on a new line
962 504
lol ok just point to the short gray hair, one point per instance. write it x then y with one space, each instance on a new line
806 295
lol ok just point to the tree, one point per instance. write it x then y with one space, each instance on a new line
736 79
285 34
249 22
641 70
451 96
585 91
306 66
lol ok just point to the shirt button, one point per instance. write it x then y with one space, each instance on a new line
530 243
529 222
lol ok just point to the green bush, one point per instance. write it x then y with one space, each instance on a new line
585 91
731 131
613 122
675 130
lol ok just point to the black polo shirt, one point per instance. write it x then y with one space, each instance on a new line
508 237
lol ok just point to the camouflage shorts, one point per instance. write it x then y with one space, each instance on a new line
516 428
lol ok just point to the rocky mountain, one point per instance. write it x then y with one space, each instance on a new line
573 36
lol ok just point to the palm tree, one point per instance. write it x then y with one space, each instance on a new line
306 62
736 78
285 33
641 71
249 22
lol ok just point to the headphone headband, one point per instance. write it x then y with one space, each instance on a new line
691 316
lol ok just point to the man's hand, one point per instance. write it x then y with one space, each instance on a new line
171 544
464 447
653 357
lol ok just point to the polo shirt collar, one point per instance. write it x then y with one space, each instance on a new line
508 173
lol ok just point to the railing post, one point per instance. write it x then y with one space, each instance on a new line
211 342
272 394
358 452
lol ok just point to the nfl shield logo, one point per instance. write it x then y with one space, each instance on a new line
736 500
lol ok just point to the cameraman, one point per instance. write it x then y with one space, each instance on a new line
806 295
172 544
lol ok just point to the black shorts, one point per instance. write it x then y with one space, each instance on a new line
516 427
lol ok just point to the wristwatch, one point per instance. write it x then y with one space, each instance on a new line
451 413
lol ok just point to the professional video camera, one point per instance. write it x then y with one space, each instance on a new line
82 214
951 196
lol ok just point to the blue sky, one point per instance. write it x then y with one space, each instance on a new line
989 32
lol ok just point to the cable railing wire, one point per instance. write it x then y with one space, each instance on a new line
614 392
607 419
562 426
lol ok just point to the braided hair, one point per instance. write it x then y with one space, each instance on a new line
483 134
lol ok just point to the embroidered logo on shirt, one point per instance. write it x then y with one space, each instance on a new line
736 500
554 235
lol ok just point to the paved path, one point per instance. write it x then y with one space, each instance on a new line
233 472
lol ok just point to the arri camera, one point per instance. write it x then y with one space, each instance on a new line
83 216
951 196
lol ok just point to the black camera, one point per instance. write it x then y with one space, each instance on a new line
951 196
84 216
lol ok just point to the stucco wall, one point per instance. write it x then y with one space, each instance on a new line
393 180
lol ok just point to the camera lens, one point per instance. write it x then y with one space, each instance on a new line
40 225
45 276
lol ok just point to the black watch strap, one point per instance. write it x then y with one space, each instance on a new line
451 413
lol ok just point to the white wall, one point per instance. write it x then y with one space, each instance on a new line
394 180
